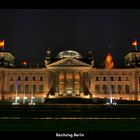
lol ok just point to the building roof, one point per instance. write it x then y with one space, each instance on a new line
69 53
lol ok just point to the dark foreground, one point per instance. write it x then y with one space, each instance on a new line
70 117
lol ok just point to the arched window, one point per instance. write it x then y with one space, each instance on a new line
26 78
19 78
41 78
34 78
104 78
97 78
119 78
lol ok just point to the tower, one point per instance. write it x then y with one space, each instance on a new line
6 59
132 59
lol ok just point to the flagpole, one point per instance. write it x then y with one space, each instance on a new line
31 93
110 87
16 98
31 103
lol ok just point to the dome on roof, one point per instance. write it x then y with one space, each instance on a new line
69 54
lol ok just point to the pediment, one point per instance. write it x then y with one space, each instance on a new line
69 62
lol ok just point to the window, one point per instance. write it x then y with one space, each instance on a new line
119 89
97 88
41 78
139 79
41 88
34 78
127 90
26 78
11 79
19 78
11 88
33 88
19 88
104 78
113 87
119 78
105 88
127 79
26 88
97 78
112 78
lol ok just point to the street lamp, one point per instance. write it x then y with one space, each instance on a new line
32 97
17 97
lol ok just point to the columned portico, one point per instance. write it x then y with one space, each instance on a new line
69 83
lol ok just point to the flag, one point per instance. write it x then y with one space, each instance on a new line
134 43
24 63
109 61
1 43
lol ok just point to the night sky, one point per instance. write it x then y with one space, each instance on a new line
28 33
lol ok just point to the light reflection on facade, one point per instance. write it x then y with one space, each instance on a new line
69 75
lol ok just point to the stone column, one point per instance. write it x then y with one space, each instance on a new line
92 85
56 81
65 82
73 81
81 82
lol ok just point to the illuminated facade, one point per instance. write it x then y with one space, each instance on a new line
68 75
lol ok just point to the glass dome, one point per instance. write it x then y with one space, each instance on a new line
69 54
